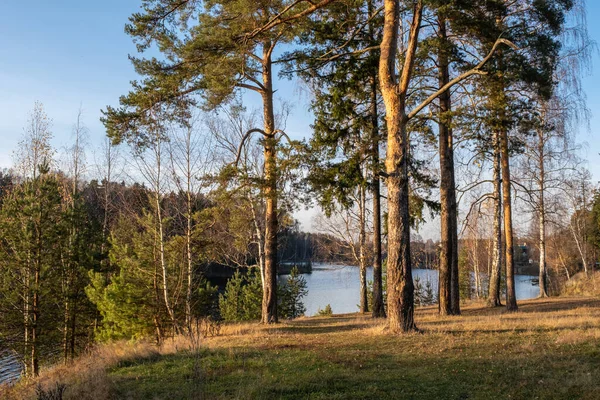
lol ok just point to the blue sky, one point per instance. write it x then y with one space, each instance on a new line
67 53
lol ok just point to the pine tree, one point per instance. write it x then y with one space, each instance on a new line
34 231
293 290
231 302
130 301
242 298
344 149
534 27
395 88
80 255
212 50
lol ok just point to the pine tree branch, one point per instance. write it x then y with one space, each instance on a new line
247 135
280 19
352 36
411 50
473 71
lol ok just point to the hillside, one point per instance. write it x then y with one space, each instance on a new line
549 349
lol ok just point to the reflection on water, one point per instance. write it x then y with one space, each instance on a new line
338 286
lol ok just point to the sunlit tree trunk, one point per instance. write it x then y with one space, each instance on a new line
511 299
494 284
400 286
269 303
448 223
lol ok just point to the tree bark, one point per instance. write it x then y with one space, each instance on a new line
494 285
446 304
511 299
394 92
269 303
377 307
260 242
378 310
400 286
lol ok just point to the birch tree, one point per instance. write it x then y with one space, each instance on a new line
190 154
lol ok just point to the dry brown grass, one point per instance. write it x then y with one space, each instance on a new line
542 339
86 378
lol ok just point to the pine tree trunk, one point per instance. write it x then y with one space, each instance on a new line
364 303
511 299
494 285
378 309
400 286
269 303
446 183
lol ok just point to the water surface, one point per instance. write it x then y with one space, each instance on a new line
338 286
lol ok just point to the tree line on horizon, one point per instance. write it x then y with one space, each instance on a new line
423 104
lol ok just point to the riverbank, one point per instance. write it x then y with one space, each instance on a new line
549 349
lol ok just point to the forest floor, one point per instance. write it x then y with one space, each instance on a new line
549 349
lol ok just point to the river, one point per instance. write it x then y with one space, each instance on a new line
338 286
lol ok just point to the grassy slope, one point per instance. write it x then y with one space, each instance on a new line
550 349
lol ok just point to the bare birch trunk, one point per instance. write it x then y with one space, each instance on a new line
261 243
156 181
190 265
476 267
543 275
581 249
163 263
